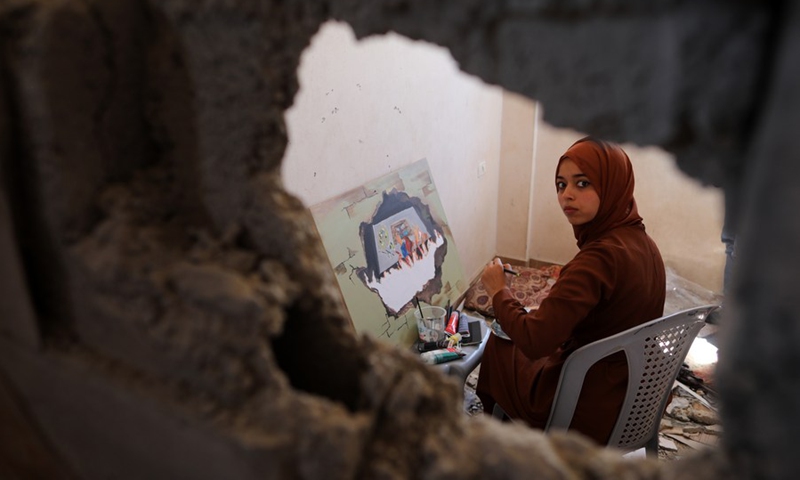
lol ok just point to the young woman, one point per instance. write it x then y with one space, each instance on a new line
615 282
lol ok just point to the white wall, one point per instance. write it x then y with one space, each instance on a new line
516 170
367 108
683 217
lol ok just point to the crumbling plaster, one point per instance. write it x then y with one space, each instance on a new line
167 307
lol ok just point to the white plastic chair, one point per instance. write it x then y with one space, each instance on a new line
655 352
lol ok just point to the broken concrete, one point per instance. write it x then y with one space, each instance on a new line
170 309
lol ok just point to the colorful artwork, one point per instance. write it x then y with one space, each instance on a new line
389 243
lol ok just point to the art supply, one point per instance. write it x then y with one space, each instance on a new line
497 330
428 346
440 356
474 337
430 323
512 272
454 341
419 307
463 325
452 323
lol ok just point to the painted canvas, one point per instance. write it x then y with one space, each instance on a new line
389 242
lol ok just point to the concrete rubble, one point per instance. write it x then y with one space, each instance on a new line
689 424
167 308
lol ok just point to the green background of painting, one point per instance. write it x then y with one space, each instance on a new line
338 221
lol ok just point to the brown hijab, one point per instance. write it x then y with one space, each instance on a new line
609 169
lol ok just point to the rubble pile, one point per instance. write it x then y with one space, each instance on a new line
690 423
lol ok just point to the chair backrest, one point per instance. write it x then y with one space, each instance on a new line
655 352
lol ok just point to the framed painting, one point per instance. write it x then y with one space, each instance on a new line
389 244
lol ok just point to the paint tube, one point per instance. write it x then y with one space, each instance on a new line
440 356
428 346
452 322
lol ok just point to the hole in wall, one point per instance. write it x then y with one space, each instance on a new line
389 101
316 358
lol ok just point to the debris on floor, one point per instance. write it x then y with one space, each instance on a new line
472 404
690 423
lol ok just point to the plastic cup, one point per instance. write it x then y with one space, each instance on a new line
431 326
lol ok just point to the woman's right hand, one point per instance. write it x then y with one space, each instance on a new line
493 277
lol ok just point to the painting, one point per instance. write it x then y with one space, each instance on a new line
389 244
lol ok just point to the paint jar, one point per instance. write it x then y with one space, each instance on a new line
430 323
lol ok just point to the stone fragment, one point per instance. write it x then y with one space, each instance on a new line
702 414
666 443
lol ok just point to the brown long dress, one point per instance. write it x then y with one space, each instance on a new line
615 282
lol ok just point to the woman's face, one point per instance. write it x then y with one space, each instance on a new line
576 195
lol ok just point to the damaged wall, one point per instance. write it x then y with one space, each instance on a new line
168 310
367 108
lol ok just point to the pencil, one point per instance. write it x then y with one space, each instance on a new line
512 272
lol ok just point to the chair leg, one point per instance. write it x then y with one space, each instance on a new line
651 447
499 413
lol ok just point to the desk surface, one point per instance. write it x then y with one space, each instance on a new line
462 367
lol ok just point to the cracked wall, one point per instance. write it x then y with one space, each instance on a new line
168 310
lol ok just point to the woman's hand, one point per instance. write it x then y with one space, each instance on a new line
493 277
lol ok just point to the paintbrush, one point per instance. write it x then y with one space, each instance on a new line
421 315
